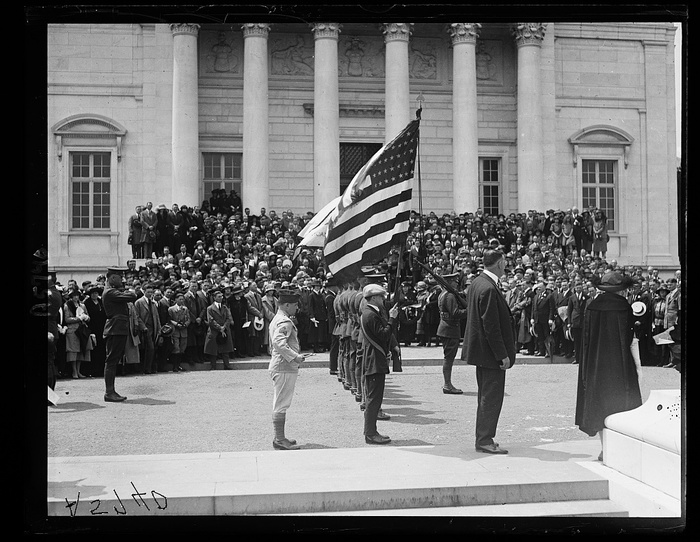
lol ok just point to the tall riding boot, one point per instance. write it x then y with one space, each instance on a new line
110 375
280 442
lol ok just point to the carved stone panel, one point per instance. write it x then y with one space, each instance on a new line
361 56
423 59
292 54
220 53
489 62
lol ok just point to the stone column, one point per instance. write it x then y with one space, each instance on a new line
397 101
185 137
465 129
255 170
528 37
326 113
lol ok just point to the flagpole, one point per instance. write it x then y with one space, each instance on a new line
421 247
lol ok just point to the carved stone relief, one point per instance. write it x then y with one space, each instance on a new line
221 53
422 59
486 69
292 55
361 57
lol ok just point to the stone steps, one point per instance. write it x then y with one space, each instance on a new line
422 480
578 508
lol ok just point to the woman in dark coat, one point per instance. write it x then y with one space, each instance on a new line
610 367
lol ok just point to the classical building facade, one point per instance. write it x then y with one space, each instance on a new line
514 117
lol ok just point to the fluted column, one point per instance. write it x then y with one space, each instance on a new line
528 37
397 101
465 130
185 137
326 112
256 184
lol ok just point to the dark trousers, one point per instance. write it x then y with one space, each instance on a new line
335 345
543 333
115 345
358 370
576 333
491 384
374 394
163 351
148 350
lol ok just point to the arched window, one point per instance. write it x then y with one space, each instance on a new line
90 144
601 154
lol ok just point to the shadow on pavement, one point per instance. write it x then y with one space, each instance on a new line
75 407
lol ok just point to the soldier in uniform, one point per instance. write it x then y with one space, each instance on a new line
286 358
376 344
449 330
115 299
330 295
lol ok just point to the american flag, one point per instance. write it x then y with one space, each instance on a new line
373 212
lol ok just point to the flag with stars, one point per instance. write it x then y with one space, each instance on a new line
372 214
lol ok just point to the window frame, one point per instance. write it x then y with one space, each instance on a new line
91 180
613 220
237 183
497 184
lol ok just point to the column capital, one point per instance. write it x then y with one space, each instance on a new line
326 30
463 32
256 29
184 28
396 31
528 33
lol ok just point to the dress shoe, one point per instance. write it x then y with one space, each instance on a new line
452 390
491 449
334 372
227 368
381 415
362 406
284 444
377 439
114 397
358 397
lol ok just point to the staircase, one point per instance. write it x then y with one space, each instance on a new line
368 481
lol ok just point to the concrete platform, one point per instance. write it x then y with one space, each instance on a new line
547 480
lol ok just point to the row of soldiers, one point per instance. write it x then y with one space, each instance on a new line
345 310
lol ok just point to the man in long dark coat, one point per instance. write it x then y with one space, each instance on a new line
489 344
219 339
609 369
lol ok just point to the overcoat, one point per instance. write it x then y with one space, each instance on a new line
218 320
607 376
488 336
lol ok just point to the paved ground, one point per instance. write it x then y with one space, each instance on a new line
230 411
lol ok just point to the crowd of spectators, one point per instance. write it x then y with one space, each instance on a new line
186 252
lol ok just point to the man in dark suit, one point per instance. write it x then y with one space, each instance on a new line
574 322
149 323
114 300
376 344
489 344
563 345
542 317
